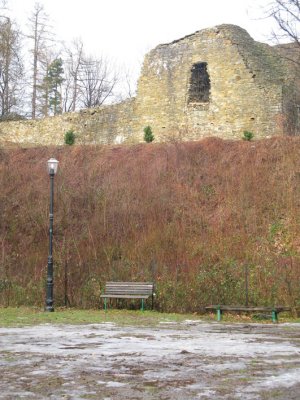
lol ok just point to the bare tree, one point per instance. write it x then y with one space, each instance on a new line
286 14
88 81
97 81
129 85
41 37
3 4
74 61
42 101
11 67
126 87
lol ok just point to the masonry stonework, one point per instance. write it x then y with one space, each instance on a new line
249 87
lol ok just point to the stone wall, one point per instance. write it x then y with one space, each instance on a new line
106 125
251 88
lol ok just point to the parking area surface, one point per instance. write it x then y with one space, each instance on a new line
189 360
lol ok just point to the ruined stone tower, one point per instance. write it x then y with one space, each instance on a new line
215 82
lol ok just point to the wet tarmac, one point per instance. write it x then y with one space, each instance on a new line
189 360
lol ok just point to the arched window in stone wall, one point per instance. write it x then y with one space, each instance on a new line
199 88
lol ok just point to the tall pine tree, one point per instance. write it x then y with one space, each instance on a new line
52 86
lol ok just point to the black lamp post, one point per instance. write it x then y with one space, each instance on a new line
52 169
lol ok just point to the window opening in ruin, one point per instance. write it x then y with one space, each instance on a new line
199 88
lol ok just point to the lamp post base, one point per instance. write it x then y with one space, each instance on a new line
49 308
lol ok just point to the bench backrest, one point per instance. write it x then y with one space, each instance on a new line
142 288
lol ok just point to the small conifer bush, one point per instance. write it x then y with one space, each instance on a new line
148 135
248 135
70 137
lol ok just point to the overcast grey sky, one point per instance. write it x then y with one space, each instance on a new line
124 30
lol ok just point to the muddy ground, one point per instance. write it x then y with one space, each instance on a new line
190 360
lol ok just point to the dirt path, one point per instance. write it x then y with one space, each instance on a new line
191 360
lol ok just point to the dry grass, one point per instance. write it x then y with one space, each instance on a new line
190 215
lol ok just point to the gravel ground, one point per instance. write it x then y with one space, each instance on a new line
190 360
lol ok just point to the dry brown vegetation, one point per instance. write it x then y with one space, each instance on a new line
190 216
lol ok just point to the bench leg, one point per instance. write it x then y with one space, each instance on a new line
105 304
274 316
219 314
142 309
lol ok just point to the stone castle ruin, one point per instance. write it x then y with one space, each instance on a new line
215 82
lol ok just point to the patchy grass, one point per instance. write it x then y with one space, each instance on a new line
33 316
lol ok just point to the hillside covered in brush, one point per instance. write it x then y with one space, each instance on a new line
191 216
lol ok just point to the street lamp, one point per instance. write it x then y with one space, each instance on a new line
52 165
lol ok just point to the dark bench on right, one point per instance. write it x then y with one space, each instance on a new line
274 311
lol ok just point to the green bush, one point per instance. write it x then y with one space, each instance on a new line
248 135
70 137
148 135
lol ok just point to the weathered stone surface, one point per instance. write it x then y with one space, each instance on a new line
251 88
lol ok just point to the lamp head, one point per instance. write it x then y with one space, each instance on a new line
52 165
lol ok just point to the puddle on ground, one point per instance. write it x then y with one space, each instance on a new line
189 360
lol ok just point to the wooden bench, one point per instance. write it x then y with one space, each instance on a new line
273 310
128 290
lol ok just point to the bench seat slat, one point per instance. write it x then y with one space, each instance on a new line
124 296
127 292
147 289
129 284
128 288
138 290
243 308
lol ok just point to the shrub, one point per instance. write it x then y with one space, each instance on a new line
248 135
187 215
148 135
70 137
13 116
